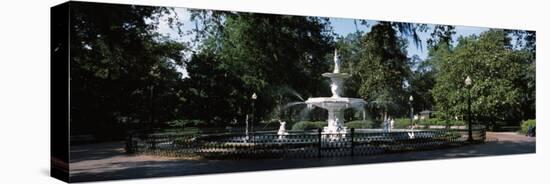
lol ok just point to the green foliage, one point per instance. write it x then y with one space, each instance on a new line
350 51
359 124
208 98
308 125
255 53
383 69
441 34
183 123
443 122
402 123
406 122
422 81
122 72
526 43
526 124
496 91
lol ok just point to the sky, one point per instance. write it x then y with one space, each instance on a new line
345 26
341 26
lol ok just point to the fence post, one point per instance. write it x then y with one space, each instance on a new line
129 144
319 139
153 142
483 134
352 140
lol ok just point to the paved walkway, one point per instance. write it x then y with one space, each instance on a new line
107 161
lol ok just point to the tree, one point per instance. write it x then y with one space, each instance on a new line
405 29
495 69
526 43
422 81
383 69
209 99
350 50
441 34
121 70
424 71
264 53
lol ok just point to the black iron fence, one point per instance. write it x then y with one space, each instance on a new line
297 144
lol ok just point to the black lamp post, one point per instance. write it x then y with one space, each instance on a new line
412 110
468 83
254 97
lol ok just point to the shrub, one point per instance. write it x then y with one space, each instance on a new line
402 123
362 124
431 121
186 123
176 123
434 121
457 123
525 125
308 125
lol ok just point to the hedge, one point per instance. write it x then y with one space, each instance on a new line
400 123
525 125
434 121
308 125
363 124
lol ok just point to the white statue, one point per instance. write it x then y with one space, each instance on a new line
411 133
391 124
282 130
336 62
385 125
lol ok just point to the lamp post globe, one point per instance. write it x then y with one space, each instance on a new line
412 110
253 97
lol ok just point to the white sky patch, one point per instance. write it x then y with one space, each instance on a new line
172 33
343 26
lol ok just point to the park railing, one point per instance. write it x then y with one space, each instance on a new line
297 144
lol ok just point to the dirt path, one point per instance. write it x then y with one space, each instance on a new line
107 161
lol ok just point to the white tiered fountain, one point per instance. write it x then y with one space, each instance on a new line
335 104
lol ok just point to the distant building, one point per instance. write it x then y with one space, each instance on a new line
425 114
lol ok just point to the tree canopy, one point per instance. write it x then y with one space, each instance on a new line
124 73
121 69
260 53
496 70
383 69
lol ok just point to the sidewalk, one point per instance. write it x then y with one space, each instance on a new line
107 161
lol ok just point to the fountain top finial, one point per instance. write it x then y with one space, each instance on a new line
336 62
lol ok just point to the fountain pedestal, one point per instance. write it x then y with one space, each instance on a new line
335 122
